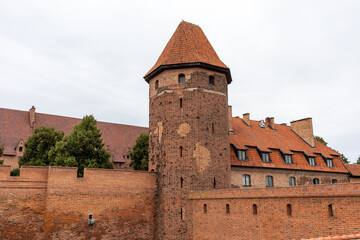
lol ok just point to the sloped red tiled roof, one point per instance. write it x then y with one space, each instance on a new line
354 169
282 139
188 45
14 126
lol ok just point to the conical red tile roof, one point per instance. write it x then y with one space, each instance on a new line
188 45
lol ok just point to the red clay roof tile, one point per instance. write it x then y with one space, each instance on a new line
354 169
188 45
282 139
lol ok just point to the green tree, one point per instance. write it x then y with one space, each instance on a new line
15 172
320 139
82 148
38 146
344 159
358 160
139 154
1 150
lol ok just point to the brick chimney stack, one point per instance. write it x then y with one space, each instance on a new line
270 122
304 129
230 119
246 118
32 117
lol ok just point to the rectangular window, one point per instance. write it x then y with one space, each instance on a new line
292 181
265 157
312 161
288 159
246 180
269 181
242 155
329 163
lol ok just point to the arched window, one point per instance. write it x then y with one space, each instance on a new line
181 78
292 181
333 181
331 210
269 181
246 180
211 80
227 208
254 209
316 181
156 84
289 209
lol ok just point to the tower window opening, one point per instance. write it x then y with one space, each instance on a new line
181 214
214 183
227 209
331 210
181 151
205 208
211 80
212 128
181 102
20 149
156 84
289 210
254 209
181 78
181 182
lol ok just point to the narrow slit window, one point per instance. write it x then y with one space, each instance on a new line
156 84
211 80
181 214
227 209
212 128
181 102
214 182
205 208
331 210
254 209
181 182
181 151
289 210
181 78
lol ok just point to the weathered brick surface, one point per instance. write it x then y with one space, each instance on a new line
200 128
52 203
309 218
281 177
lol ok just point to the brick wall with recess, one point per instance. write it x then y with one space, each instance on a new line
278 213
52 203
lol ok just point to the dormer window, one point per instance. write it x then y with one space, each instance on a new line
329 162
311 161
211 80
288 159
242 155
265 157
181 78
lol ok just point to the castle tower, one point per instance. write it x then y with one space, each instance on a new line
189 127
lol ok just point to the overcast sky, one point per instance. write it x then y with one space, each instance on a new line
288 59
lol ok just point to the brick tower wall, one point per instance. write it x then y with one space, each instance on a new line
189 142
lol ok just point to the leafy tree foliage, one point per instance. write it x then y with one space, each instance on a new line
1 150
344 159
320 139
139 154
38 146
15 172
82 148
358 160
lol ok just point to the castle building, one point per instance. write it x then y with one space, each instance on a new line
211 175
17 126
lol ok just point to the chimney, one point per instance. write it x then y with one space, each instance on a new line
304 129
32 117
246 118
230 119
270 122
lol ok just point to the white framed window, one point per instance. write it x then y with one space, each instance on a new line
292 181
246 180
329 163
242 155
269 181
288 159
265 157
312 161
